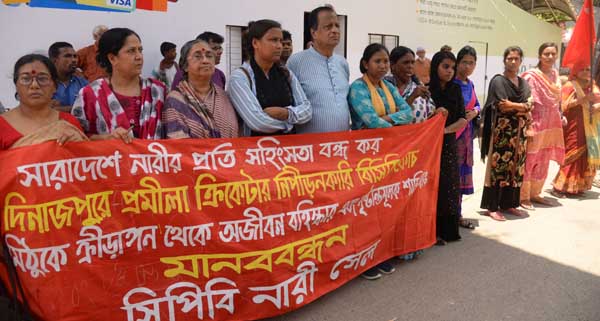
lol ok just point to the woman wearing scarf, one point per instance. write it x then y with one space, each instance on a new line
197 108
506 114
447 94
546 140
123 105
34 120
402 65
581 107
465 65
376 103
266 95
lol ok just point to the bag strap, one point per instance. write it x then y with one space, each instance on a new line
247 76
16 287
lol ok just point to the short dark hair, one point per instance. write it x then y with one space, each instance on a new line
398 53
54 50
166 46
466 51
370 50
211 37
287 35
110 43
27 59
313 17
446 48
510 49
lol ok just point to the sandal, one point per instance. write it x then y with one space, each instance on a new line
440 242
515 212
466 224
558 194
528 206
497 216
540 200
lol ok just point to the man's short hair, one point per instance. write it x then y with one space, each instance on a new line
211 37
313 17
54 50
287 35
166 46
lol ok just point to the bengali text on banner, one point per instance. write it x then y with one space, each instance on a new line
213 229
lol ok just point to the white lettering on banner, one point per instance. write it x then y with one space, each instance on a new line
216 158
253 228
56 173
374 197
368 145
354 261
35 261
310 216
113 244
188 235
125 4
335 149
187 294
304 284
419 180
160 161
278 156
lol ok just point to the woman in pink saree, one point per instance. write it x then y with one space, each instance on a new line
545 137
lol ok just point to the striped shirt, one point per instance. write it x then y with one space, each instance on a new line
255 119
326 84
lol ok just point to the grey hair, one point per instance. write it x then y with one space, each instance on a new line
185 51
97 29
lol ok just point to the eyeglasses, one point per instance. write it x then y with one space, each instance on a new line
42 80
198 56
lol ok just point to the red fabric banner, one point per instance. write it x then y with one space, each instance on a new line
213 229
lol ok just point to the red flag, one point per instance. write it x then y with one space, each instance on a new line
155 5
580 48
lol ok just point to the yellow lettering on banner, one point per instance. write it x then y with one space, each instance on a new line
210 193
290 179
55 214
307 248
156 199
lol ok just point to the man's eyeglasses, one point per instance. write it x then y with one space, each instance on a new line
42 80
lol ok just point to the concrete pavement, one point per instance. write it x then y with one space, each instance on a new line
542 267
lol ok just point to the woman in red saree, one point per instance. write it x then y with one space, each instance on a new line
34 121
581 107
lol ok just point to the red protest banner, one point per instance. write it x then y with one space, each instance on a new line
213 229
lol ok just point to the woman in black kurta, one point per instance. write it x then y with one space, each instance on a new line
447 94
506 116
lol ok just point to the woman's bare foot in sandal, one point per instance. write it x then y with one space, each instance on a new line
516 212
497 216
541 200
527 205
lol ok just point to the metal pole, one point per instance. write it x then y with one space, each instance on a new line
485 77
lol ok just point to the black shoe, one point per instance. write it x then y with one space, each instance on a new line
385 267
371 274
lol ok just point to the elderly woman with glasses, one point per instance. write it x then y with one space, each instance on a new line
197 108
34 121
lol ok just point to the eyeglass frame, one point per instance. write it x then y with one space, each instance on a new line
36 77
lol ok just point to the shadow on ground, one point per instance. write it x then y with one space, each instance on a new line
474 279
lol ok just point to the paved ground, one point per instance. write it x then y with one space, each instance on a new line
543 267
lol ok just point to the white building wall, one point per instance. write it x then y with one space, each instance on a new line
24 30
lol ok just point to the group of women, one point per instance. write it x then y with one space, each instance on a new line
527 120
